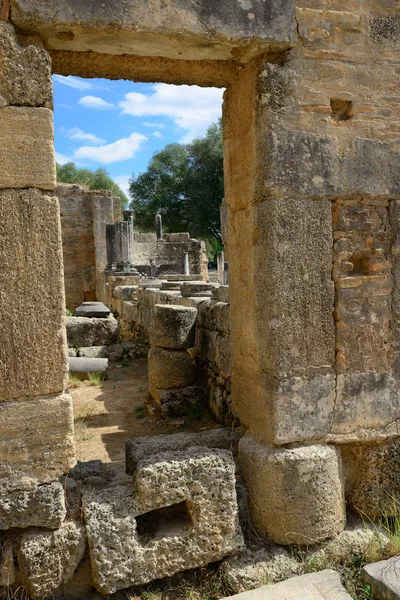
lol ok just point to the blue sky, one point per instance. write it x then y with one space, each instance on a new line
119 125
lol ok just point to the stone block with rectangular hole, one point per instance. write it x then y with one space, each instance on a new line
33 350
296 495
173 326
27 148
25 72
179 513
170 369
24 503
37 436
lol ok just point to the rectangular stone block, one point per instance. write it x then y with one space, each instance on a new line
173 326
24 503
25 72
27 148
179 500
33 350
170 369
37 436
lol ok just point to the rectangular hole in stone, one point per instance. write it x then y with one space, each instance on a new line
342 110
164 522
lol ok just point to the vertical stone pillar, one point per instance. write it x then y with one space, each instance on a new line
185 263
36 421
220 267
111 247
158 226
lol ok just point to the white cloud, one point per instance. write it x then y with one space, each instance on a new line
62 159
119 150
94 102
74 82
158 134
77 134
153 124
191 107
123 182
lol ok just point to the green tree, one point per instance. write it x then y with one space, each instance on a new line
185 183
92 180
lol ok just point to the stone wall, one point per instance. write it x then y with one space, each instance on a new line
168 253
84 215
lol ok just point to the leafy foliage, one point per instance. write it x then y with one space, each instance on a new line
92 180
185 184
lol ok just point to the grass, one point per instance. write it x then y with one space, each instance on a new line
140 412
81 432
74 382
20 593
95 379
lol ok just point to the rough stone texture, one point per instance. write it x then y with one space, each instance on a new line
24 503
259 566
394 217
173 326
203 479
33 353
281 483
376 469
48 559
83 331
37 436
324 585
115 352
92 309
93 352
193 289
169 369
205 30
180 402
383 578
27 150
25 72
8 572
137 449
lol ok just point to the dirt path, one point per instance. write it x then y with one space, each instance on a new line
106 416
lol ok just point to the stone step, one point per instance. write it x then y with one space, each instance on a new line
82 366
323 585
384 578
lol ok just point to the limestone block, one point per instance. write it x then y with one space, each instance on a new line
173 326
205 30
180 514
24 503
48 559
254 567
296 495
137 449
197 289
37 436
93 352
170 369
376 488
323 585
27 148
180 402
25 72
365 402
383 578
81 366
92 309
83 331
33 353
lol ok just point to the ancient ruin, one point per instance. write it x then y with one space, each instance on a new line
299 355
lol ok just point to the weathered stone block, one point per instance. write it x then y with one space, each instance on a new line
83 331
93 352
8 571
383 578
24 503
376 486
33 352
170 369
37 436
173 326
140 448
83 366
48 559
281 483
180 402
25 72
365 402
183 514
27 148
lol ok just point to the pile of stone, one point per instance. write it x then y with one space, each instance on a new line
172 374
